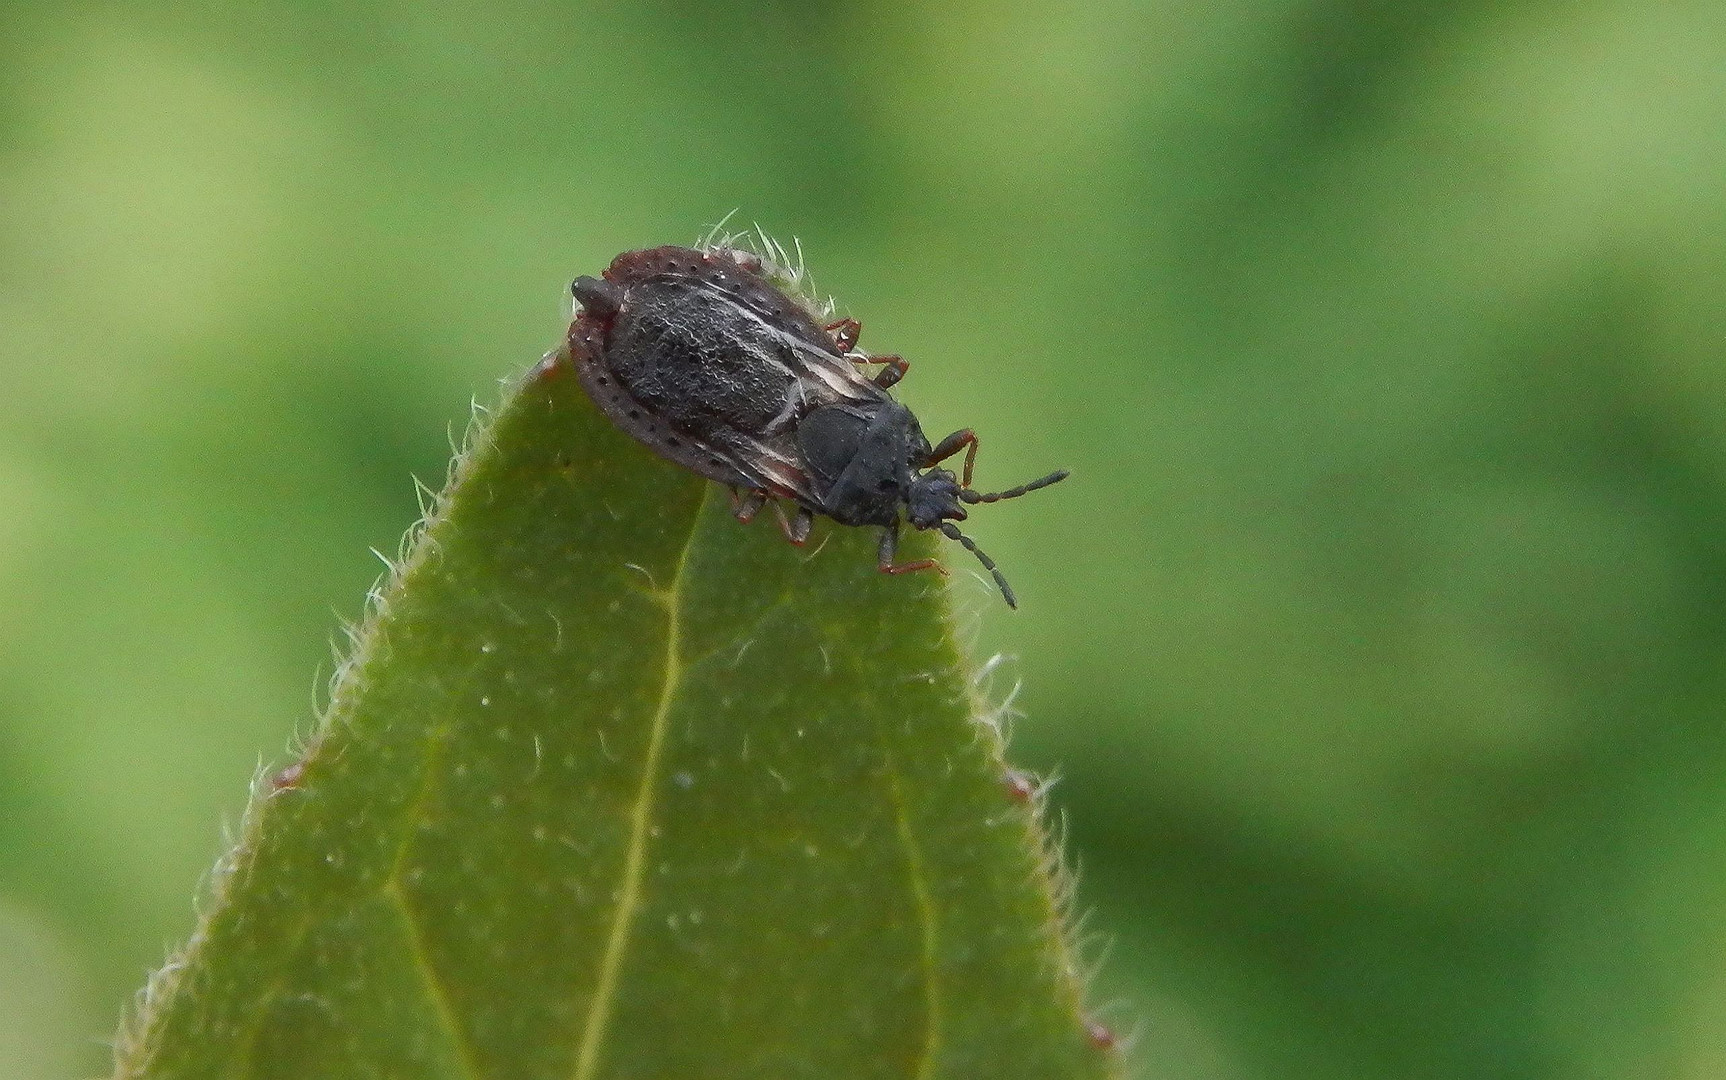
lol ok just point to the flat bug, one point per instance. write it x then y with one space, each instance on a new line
714 359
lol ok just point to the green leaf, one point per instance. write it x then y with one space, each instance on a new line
616 787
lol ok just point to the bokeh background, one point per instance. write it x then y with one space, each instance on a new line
1378 637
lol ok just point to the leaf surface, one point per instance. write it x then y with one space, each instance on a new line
615 787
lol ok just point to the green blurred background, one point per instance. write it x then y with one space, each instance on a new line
1378 636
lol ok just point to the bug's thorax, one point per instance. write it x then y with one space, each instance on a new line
864 462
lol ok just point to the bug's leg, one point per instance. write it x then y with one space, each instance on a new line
893 369
965 439
745 507
845 334
890 550
795 528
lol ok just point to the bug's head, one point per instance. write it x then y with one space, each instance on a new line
933 502
932 498
935 496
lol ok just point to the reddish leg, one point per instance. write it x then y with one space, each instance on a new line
964 439
796 528
745 507
845 334
894 369
890 550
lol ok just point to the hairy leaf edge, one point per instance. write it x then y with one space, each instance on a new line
1056 880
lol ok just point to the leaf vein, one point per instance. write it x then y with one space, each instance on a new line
435 987
741 635
392 888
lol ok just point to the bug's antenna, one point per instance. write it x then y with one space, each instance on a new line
967 495
952 532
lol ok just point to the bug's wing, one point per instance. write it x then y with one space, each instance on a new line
827 378
699 456
764 460
830 376
772 464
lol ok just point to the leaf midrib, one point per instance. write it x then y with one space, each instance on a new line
641 815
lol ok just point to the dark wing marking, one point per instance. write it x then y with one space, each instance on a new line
711 461
814 357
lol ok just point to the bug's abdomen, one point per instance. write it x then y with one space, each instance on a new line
697 359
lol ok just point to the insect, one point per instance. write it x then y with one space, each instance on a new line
714 359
